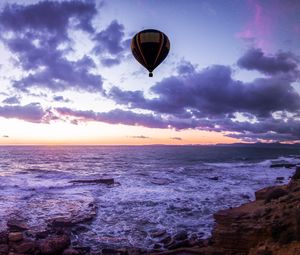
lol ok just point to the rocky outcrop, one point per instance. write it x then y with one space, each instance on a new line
108 181
270 225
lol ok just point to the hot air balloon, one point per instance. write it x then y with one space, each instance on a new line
150 47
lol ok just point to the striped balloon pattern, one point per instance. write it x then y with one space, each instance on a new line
150 47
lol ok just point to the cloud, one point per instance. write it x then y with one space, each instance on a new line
282 62
5 136
11 100
111 44
61 99
176 138
32 112
210 99
140 137
116 116
213 93
36 33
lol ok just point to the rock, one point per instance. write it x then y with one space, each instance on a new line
161 181
158 233
285 165
280 178
60 222
16 225
296 175
4 249
245 196
42 234
275 194
15 236
3 237
82 249
215 178
25 247
71 251
262 194
182 235
179 244
167 240
54 244
108 181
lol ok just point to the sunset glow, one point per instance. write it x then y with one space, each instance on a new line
230 76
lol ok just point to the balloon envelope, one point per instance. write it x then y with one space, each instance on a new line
150 47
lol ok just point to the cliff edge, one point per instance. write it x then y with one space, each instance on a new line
270 225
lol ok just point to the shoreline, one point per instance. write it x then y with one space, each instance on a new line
269 225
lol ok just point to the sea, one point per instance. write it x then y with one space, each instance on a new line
157 188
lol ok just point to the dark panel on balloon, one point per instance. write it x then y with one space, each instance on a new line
150 47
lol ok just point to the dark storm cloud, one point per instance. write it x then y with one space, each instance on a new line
282 62
213 92
38 35
11 100
31 112
111 42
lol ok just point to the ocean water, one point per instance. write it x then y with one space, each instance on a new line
161 187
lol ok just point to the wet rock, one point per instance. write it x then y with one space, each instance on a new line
15 236
245 196
167 240
3 237
54 244
179 244
82 249
111 251
71 251
60 222
275 194
4 249
42 234
158 233
161 181
108 181
285 165
182 235
296 175
262 194
25 247
16 225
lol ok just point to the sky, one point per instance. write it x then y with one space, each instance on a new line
67 75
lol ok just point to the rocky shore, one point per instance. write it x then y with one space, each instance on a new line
270 225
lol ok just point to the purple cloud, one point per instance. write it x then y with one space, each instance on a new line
35 38
282 62
210 98
31 112
140 137
11 100
61 99
212 92
111 44
176 138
